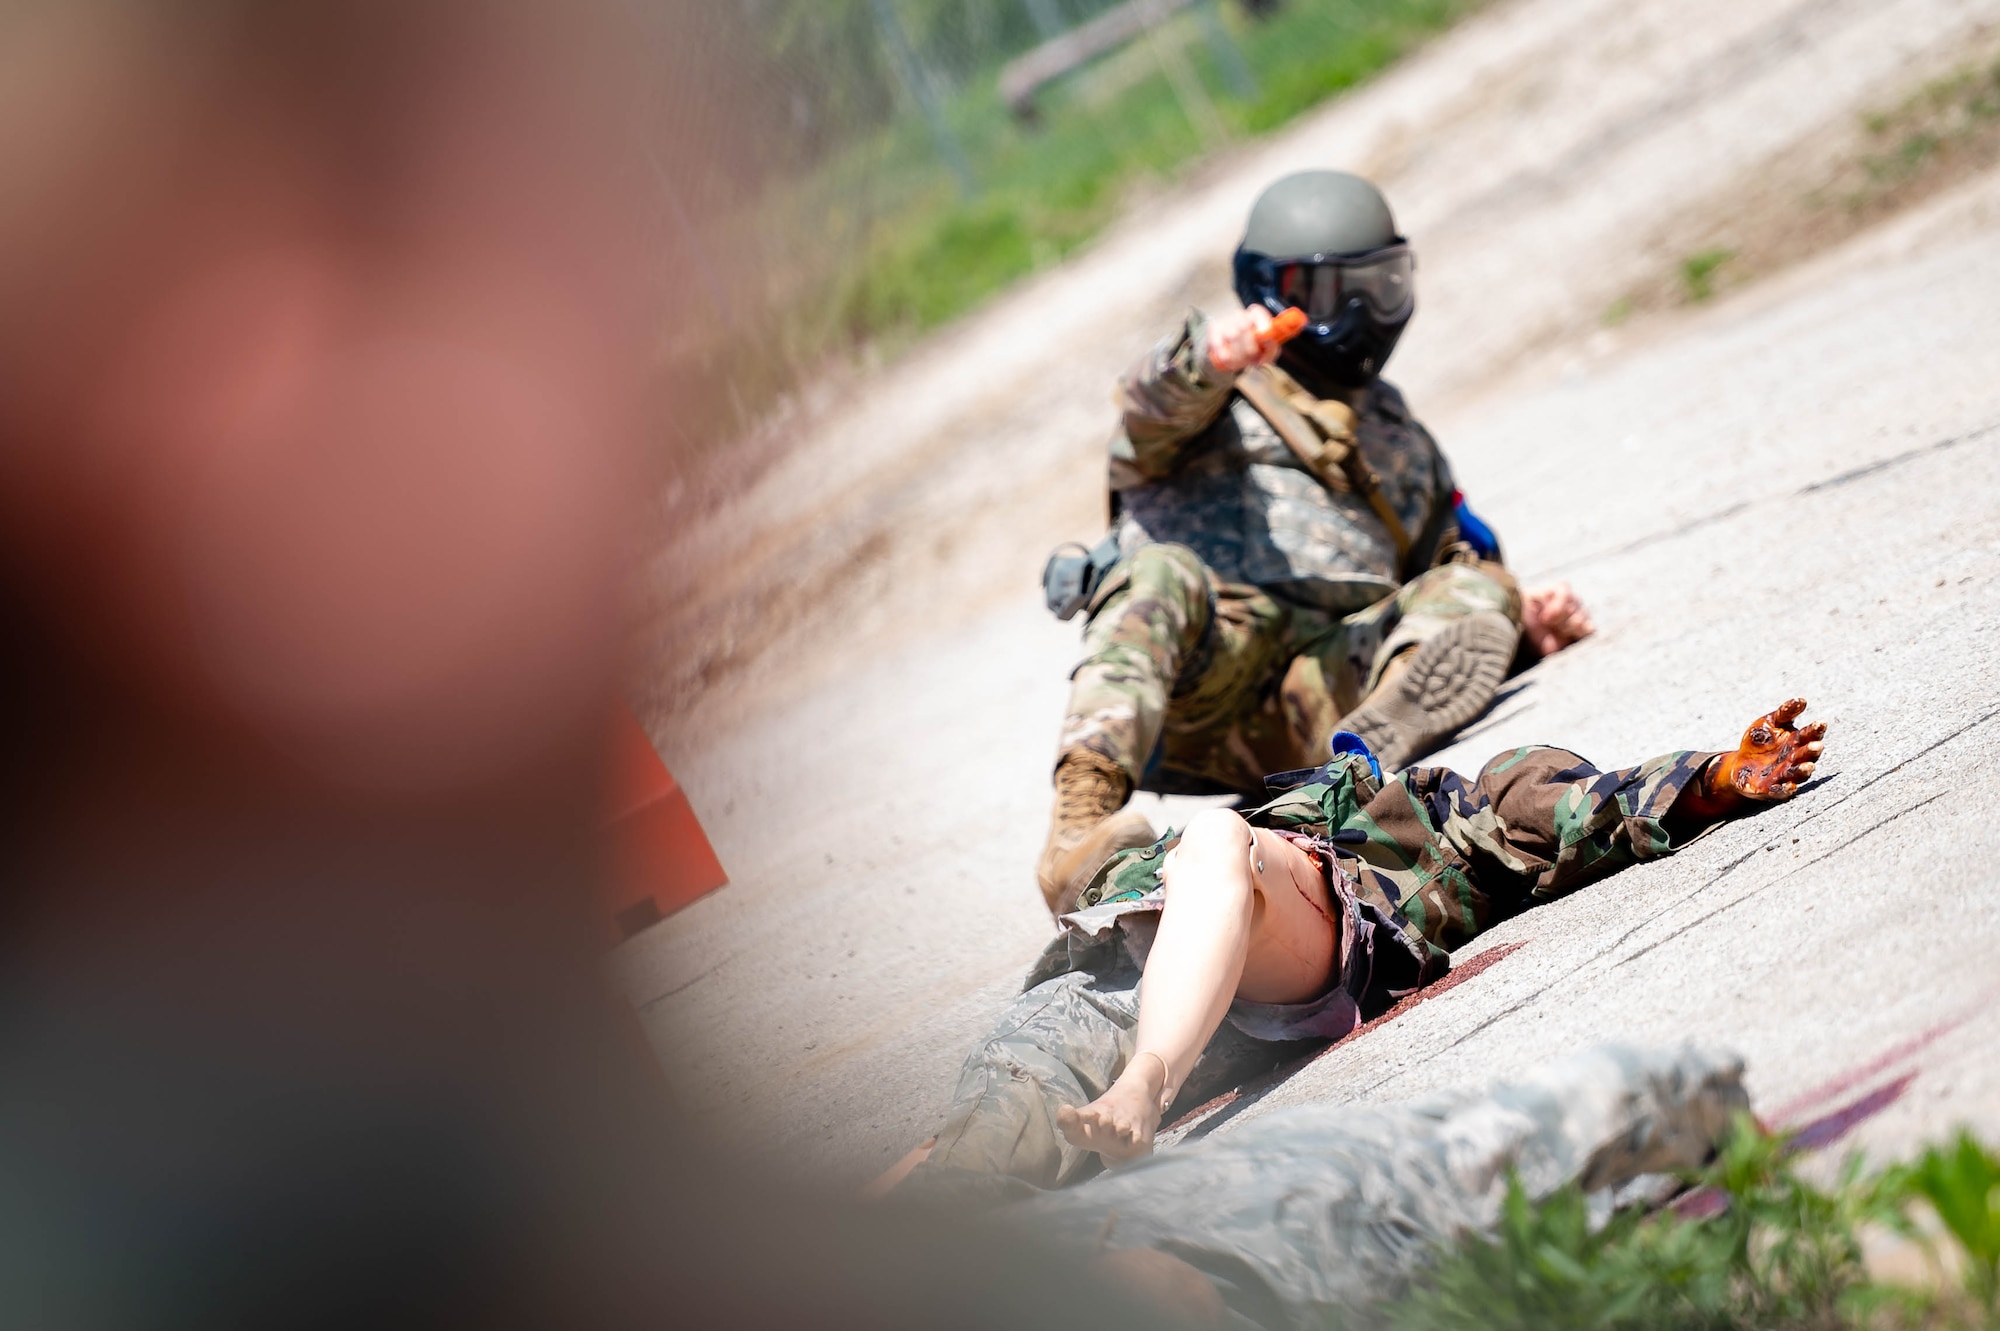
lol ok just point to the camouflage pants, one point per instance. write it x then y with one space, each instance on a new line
1221 683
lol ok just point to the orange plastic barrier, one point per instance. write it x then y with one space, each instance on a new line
661 859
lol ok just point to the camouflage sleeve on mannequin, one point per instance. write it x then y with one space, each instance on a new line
1456 856
1168 399
1599 821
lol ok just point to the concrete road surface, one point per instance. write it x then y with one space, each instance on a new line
1792 490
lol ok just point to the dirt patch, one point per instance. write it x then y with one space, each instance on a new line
1944 129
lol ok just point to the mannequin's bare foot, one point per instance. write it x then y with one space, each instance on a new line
1775 758
1119 1124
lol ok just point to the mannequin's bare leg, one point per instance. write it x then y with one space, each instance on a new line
1242 917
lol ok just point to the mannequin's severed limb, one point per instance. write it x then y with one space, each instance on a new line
1247 913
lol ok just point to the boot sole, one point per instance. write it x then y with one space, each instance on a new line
1452 679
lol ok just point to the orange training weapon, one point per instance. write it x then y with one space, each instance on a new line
1283 328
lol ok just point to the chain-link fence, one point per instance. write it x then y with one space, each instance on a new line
845 172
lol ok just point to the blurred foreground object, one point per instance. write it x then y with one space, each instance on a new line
663 859
325 335
1319 1215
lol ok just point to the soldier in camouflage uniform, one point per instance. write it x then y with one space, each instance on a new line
1392 873
1289 555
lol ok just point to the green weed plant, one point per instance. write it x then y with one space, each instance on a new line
1698 271
1961 1182
1946 115
1781 1253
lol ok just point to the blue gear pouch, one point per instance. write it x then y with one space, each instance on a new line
1345 745
1346 741
1323 797
1472 529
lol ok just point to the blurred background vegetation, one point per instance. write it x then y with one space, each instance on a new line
873 184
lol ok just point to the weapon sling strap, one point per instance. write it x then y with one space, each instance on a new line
1321 436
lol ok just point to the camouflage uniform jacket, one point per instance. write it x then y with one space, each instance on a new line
1428 859
1195 464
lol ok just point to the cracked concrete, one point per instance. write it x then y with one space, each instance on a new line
1820 933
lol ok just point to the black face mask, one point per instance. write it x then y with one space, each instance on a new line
1356 306
1348 353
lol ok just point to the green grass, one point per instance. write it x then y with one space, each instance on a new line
1944 114
1785 1253
1698 271
875 245
930 254
1962 1184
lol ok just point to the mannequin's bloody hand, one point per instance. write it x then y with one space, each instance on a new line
1774 759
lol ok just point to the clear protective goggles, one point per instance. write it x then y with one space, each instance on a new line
1322 285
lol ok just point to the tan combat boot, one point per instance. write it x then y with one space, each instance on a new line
1090 825
1425 695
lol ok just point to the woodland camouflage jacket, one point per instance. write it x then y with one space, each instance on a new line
1442 858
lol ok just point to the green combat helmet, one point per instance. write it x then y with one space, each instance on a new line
1324 241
